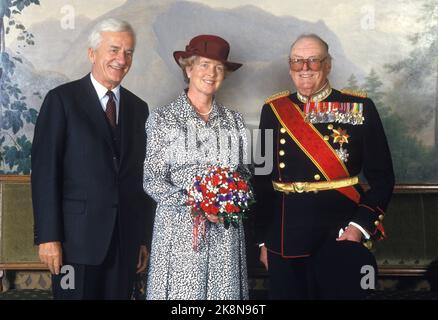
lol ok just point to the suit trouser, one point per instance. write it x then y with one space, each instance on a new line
289 279
111 280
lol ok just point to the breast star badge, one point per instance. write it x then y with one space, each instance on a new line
340 136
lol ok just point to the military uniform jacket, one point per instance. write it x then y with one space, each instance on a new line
296 224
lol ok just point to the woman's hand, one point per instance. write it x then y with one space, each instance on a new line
213 218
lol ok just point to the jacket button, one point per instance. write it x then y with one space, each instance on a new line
282 165
281 152
282 141
326 138
381 217
317 177
330 127
376 223
283 130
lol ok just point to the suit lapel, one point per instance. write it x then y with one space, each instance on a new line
126 123
93 109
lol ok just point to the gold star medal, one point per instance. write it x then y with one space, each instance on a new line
340 136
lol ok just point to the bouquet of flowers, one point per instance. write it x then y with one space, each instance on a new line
221 192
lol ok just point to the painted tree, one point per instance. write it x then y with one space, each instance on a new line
421 67
413 160
352 83
373 87
14 111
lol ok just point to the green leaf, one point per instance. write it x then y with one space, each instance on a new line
19 106
33 113
12 119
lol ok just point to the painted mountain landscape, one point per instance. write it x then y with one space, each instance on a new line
380 51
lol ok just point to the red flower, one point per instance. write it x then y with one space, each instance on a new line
242 185
223 190
230 208
205 206
210 195
216 180
232 186
214 210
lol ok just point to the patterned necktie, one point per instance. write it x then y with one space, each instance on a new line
111 109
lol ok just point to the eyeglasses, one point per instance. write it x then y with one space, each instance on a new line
313 64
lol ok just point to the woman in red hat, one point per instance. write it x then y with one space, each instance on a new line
184 139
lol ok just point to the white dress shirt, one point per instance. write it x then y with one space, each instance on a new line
103 98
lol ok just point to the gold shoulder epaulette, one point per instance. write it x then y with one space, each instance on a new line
277 95
356 93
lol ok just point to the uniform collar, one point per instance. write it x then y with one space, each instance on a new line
318 96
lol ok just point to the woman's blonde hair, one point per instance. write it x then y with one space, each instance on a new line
184 63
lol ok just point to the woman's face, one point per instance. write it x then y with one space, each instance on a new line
205 75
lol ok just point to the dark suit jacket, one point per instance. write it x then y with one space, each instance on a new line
297 224
79 187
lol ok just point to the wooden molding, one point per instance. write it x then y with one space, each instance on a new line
23 266
403 188
399 188
14 178
419 188
395 271
383 271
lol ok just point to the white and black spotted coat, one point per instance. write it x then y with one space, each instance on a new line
179 146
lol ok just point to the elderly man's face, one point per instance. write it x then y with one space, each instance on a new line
112 59
306 80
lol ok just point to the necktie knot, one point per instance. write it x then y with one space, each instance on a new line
110 94
111 109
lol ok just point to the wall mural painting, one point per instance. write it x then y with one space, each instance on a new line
389 50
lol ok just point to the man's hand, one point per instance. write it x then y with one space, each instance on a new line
51 254
351 233
143 258
264 256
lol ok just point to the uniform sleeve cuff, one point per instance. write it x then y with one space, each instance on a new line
366 234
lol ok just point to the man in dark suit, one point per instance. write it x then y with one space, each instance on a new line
90 210
322 140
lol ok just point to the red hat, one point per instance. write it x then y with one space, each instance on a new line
208 46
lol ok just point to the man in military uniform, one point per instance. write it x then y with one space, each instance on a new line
322 140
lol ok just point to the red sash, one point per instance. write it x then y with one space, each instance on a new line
311 142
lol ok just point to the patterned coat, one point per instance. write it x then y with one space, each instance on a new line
181 145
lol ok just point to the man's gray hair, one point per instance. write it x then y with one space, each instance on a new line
315 37
108 25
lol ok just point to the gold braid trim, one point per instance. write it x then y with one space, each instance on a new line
355 93
277 95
